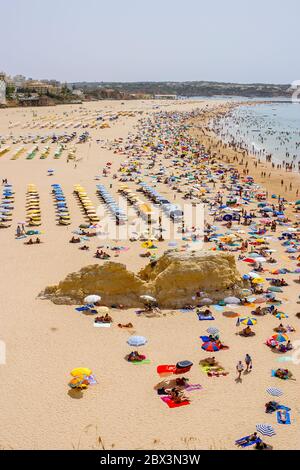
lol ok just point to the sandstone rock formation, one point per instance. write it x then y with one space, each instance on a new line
173 280
176 277
111 281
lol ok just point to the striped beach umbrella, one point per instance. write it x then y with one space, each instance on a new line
281 315
265 429
210 346
275 392
212 331
249 321
280 337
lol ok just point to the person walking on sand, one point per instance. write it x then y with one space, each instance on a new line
239 369
248 362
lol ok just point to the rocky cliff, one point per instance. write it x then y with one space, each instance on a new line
173 279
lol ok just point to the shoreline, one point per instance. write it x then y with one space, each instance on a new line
262 172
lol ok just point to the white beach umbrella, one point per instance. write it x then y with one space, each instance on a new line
92 299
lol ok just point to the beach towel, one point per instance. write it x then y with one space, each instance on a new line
288 417
186 310
171 403
166 369
84 308
247 444
218 308
193 387
92 380
144 361
273 374
201 317
205 339
102 325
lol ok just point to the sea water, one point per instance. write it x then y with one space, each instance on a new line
265 129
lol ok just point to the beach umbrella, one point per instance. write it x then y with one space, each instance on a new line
78 371
249 321
137 341
255 255
260 259
210 346
281 315
265 429
147 298
92 299
275 392
275 289
280 337
232 300
212 331
258 280
230 314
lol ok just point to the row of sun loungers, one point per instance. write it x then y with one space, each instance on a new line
33 211
143 209
86 204
6 206
61 205
171 210
112 206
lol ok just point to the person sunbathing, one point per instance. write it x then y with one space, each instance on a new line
258 311
290 329
102 254
206 313
260 445
283 416
271 343
177 395
104 319
247 332
127 325
271 406
84 248
134 356
251 438
283 374
74 240
211 361
181 381
280 329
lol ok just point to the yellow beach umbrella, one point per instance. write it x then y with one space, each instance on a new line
78 371
258 280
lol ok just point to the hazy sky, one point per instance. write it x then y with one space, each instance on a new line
139 40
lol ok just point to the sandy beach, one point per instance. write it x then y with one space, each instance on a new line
45 341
